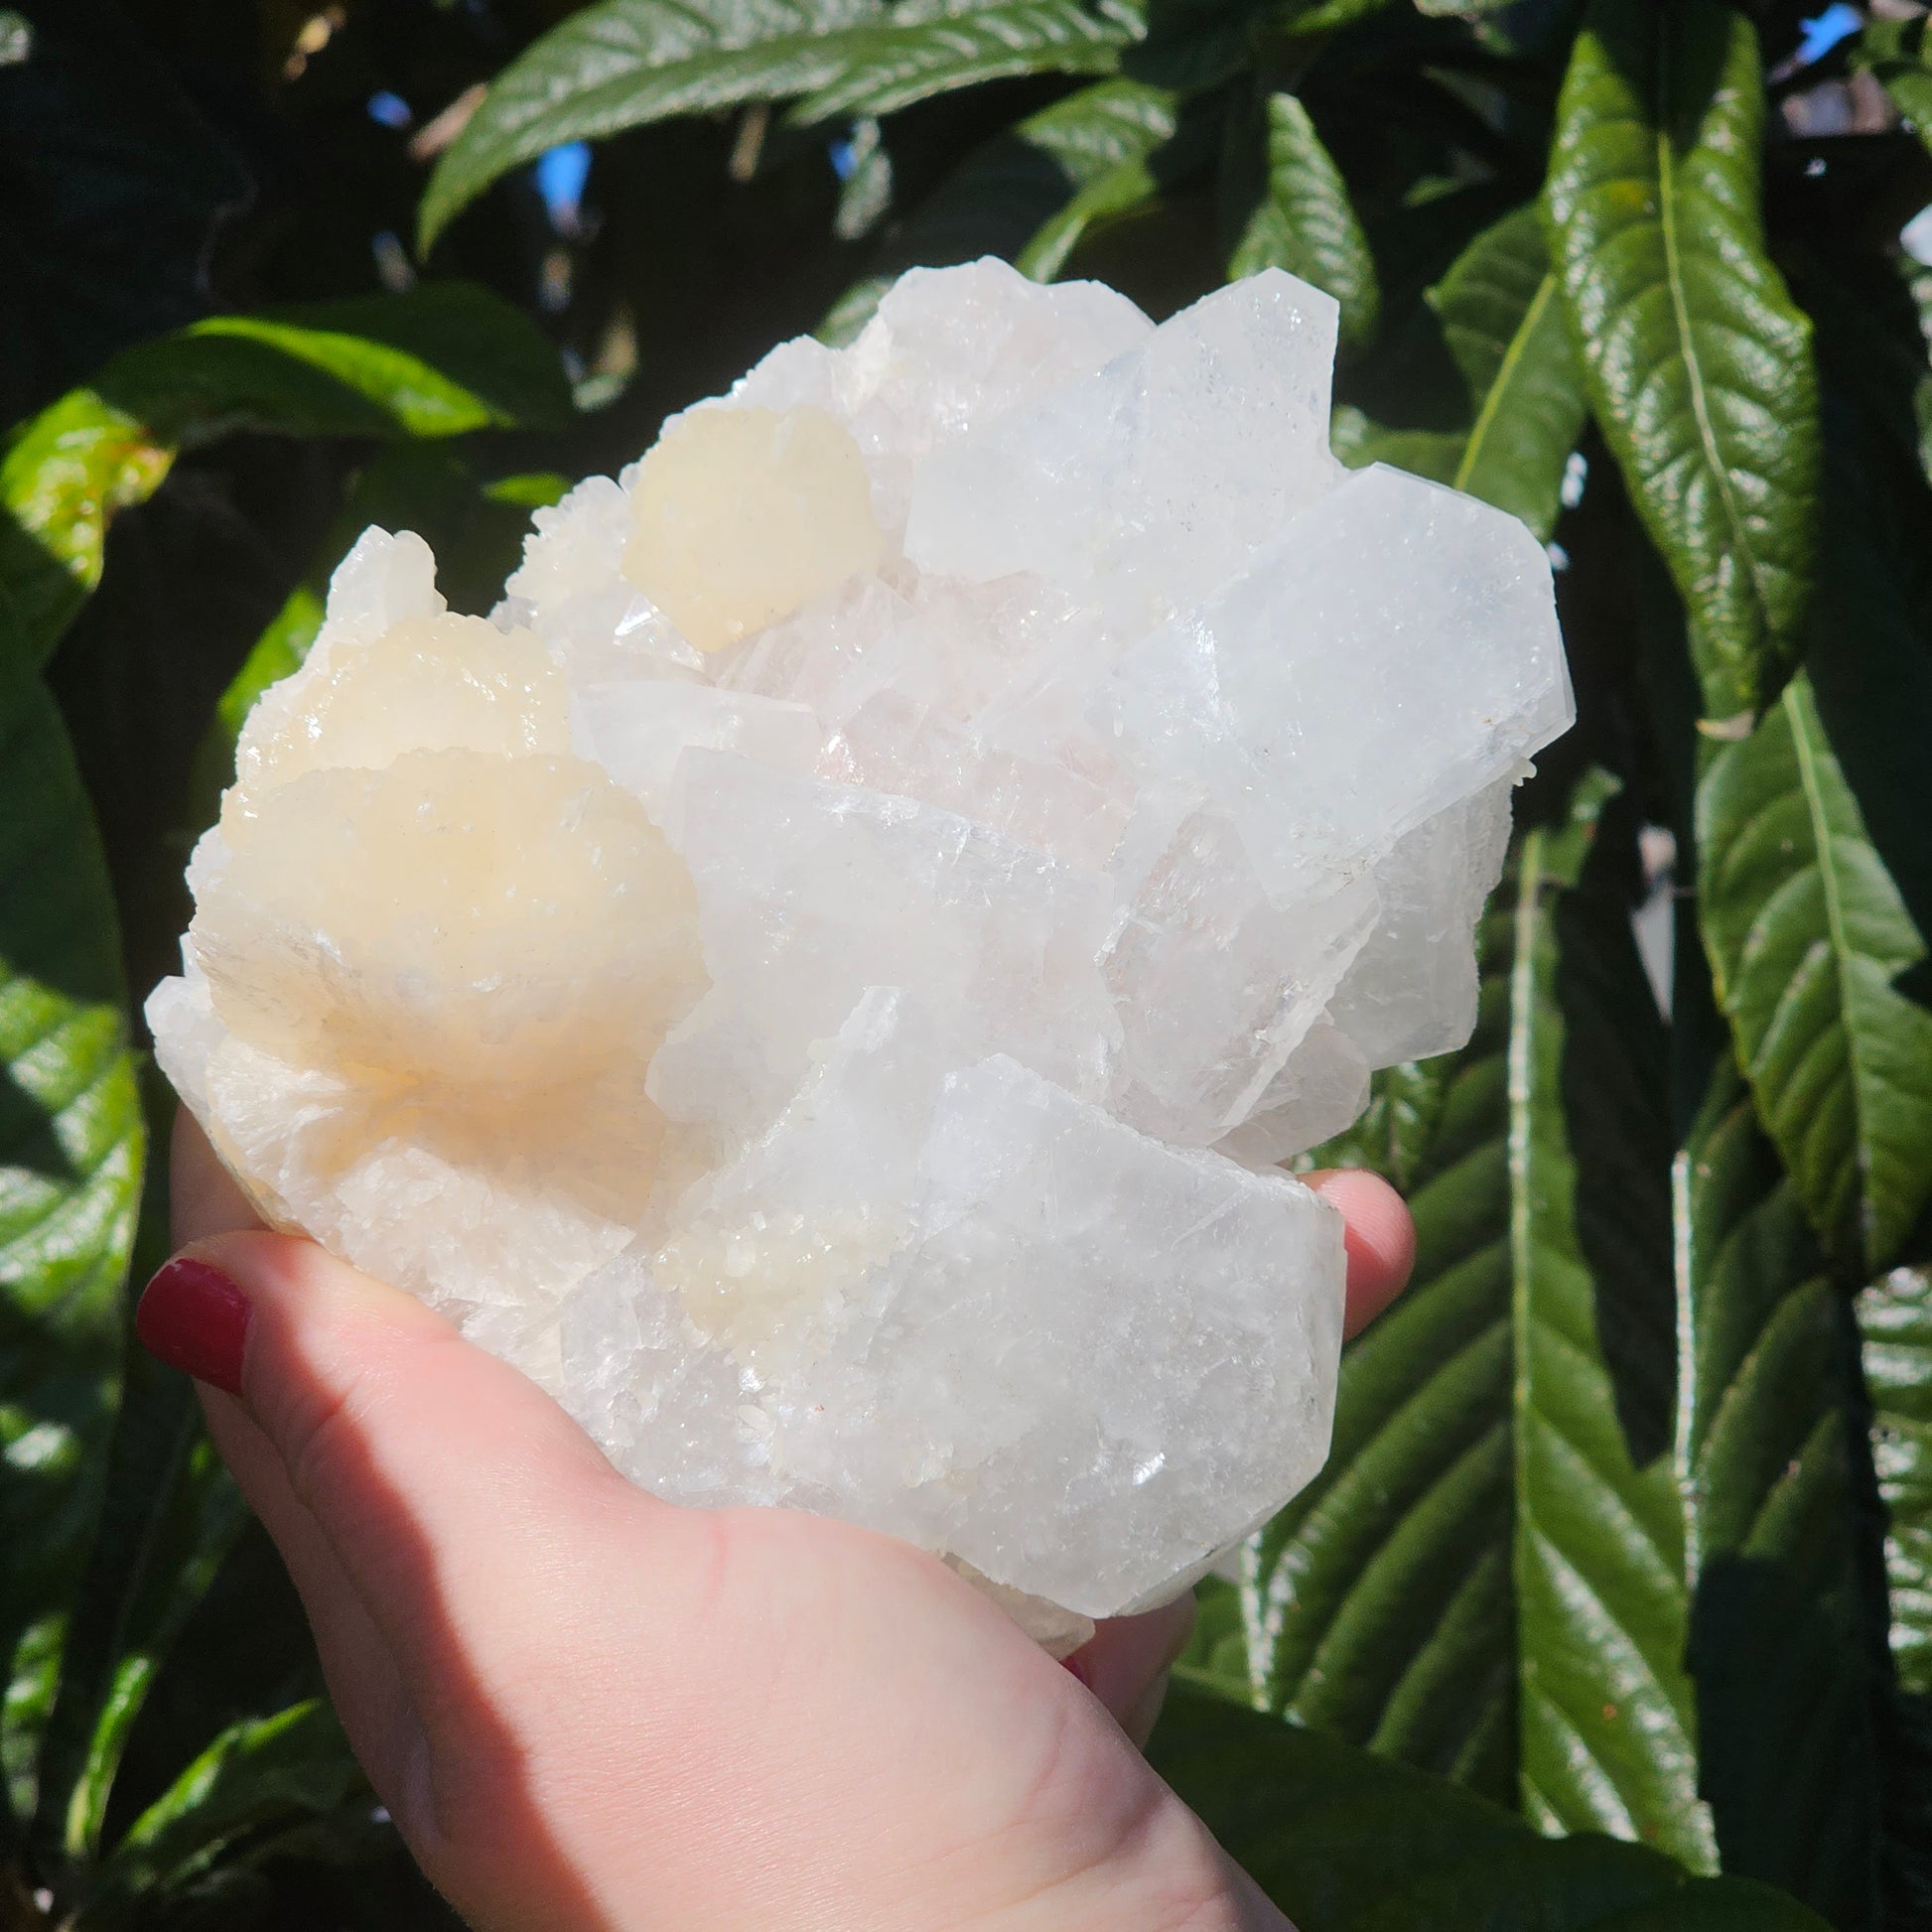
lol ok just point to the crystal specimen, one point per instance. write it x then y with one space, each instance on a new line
824 979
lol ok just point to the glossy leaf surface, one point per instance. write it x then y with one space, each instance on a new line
444 359
1303 221
61 481
1503 319
627 63
70 1149
916 55
1784 1691
1520 398
1700 365
1808 938
1609 1722
1377 1606
258 1777
1895 1329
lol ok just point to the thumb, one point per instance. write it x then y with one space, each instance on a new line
452 1533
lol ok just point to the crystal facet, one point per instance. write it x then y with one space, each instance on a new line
824 979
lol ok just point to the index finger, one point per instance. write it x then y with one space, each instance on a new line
1380 1239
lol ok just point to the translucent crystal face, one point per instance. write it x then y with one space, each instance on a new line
823 978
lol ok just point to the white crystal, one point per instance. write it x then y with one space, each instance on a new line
1392 651
824 980
1146 485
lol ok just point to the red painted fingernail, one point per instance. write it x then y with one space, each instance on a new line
194 1319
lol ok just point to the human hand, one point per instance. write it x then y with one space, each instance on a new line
589 1710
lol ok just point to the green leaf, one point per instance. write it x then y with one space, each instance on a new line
1346 1842
627 63
1305 221
1505 350
1127 186
1911 90
1487 1578
1607 1717
1217 1657
62 478
1502 320
1894 1319
1377 1606
264 1775
444 359
891 66
1096 128
1896 51
1011 197
1807 938
169 1518
1777 1625
844 322
1324 15
1895 1327
1699 364
1358 440
1155 142
71 1147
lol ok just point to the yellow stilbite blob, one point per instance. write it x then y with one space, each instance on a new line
745 514
420 894
427 684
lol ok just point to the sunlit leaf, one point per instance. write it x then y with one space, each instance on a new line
1377 1606
1895 1325
1608 1720
258 1777
444 359
1777 1625
627 63
1506 345
61 481
1808 938
1700 365
1303 221
169 1516
1502 320
71 1147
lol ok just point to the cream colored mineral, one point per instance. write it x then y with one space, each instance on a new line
745 514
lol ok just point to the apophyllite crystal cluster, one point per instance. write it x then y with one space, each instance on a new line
823 978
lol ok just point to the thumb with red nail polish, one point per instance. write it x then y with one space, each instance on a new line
194 1319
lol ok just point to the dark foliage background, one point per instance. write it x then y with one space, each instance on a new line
1614 1606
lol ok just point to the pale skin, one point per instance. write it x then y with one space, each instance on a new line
589 1710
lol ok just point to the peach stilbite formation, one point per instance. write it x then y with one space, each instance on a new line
822 980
